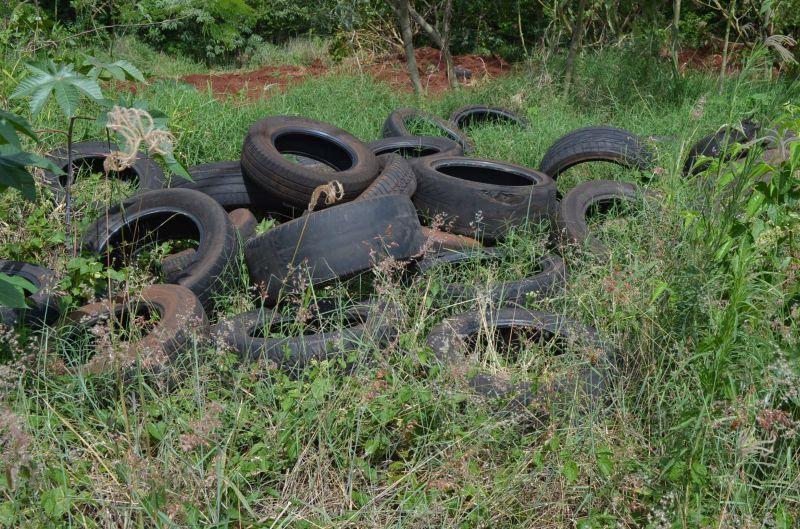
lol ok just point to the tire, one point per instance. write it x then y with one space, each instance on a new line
93 153
551 279
498 194
436 241
396 178
396 124
479 114
416 146
179 313
42 305
244 333
450 342
224 182
268 139
719 144
596 144
171 214
571 217
174 264
334 243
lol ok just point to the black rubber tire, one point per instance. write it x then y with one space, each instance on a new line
150 175
180 316
174 264
719 144
478 114
241 333
450 343
396 178
334 243
396 125
416 146
43 306
551 279
519 194
224 182
596 144
570 223
269 138
177 214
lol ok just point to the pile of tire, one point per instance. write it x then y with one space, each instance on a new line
344 206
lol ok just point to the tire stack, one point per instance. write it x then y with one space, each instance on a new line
345 206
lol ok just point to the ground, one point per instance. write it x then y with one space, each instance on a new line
698 299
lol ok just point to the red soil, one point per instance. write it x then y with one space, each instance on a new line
264 81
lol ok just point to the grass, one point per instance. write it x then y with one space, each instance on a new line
700 430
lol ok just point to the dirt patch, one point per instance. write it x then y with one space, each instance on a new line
432 72
256 83
392 70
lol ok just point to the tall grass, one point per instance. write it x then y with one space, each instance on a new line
700 430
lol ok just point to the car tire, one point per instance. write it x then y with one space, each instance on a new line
270 138
450 342
570 222
42 305
145 170
396 178
479 114
481 196
170 214
396 124
416 146
333 243
180 314
596 144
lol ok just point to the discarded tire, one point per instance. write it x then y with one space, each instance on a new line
551 277
269 139
479 114
256 335
482 196
169 214
179 315
720 144
42 305
145 171
224 182
174 264
454 342
596 144
396 178
584 199
416 146
396 124
333 243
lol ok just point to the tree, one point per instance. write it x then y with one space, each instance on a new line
402 9
577 33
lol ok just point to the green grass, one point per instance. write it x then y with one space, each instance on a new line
700 430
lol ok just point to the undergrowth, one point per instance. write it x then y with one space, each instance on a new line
699 297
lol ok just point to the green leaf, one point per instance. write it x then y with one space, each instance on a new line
570 470
60 80
55 502
11 294
10 125
17 177
604 463
698 473
754 204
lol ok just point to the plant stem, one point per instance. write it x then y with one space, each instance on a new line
67 188
577 31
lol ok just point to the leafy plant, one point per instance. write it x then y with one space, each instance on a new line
61 81
14 173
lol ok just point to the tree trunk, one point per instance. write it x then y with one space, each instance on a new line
402 8
448 57
577 32
676 19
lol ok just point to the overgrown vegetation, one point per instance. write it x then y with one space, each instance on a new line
700 298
